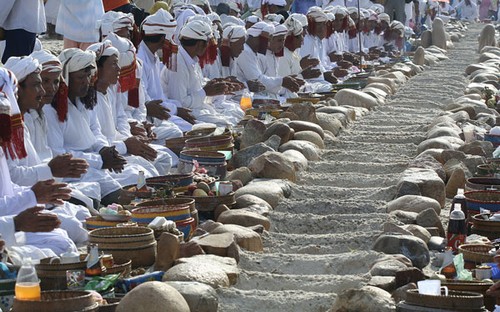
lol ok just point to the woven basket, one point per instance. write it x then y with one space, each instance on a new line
472 286
483 199
476 253
209 203
455 301
124 269
53 276
58 301
121 235
481 184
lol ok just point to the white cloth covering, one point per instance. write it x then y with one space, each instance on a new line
51 11
21 67
27 14
80 20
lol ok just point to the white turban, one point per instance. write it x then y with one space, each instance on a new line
114 21
233 6
330 16
398 26
159 23
294 26
276 18
104 48
229 19
252 19
256 29
234 33
317 14
8 87
74 59
214 17
199 2
22 66
301 18
378 8
373 15
280 30
11 117
198 30
269 28
50 63
352 10
126 49
275 2
384 17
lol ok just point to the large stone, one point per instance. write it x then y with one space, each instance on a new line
442 131
329 122
419 56
429 218
191 248
454 164
387 268
402 216
310 136
386 283
355 98
481 148
429 183
413 203
227 264
418 231
408 188
400 293
305 111
168 250
471 162
429 162
199 297
245 237
273 165
298 125
434 153
280 129
348 112
456 181
145 298
243 157
367 298
436 243
223 245
297 158
273 142
408 275
253 133
412 247
243 218
390 227
308 149
434 143
452 154
242 174
248 200
271 192
207 273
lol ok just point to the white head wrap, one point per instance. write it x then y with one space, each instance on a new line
22 66
256 29
352 10
114 21
234 33
182 19
330 16
50 63
280 30
378 8
126 49
294 26
161 22
104 48
398 26
199 2
275 2
300 17
317 14
197 29
8 86
233 6
228 19
384 17
269 28
253 19
276 18
74 59
214 17
9 107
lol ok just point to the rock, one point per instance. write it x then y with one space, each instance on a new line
399 257
273 165
390 227
168 250
434 152
280 129
434 231
452 154
418 231
243 157
273 142
429 183
471 162
408 275
245 238
408 188
456 181
308 149
253 133
310 136
243 218
227 264
220 209
460 117
487 37
367 298
191 248
405 217
419 56
209 225
242 174
481 148
298 126
413 203
297 158
387 268
348 112
223 245
429 218
436 243
355 98
145 298
249 200
453 164
426 40
199 297
305 111
400 294
434 143
412 247
429 162
271 192
442 131
329 122
386 283
207 273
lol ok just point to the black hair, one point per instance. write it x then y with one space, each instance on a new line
100 62
222 8
189 42
153 38
283 13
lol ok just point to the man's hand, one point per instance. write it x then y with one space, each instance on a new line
65 166
49 192
330 77
334 57
185 114
255 86
306 62
33 220
136 147
310 73
155 109
213 88
345 64
111 160
137 129
340 72
494 290
292 84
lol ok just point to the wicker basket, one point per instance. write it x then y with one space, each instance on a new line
482 199
124 269
455 301
472 286
476 253
53 276
58 301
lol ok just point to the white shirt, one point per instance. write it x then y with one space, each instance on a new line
23 14
80 20
289 64
468 12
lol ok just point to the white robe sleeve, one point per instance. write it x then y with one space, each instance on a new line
249 70
22 199
8 231
192 99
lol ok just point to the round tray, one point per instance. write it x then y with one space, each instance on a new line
456 300
477 253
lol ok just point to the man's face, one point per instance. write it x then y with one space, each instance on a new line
201 47
109 71
31 92
276 43
298 40
338 22
275 8
321 30
50 83
237 47
123 32
79 82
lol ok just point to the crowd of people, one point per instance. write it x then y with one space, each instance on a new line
77 127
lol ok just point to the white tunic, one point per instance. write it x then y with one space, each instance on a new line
23 14
80 20
51 11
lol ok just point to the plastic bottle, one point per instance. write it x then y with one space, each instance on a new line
27 282
448 268
141 182
460 199
94 262
457 228
246 101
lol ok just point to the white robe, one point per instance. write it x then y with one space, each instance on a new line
51 11
80 20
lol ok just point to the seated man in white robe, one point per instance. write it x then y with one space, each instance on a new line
169 117
186 84
72 128
30 169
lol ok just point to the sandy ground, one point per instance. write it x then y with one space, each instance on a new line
320 239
